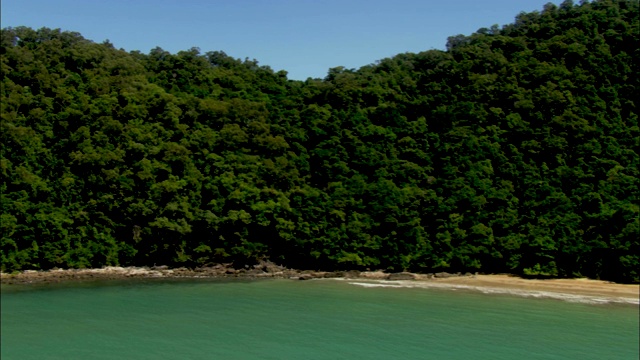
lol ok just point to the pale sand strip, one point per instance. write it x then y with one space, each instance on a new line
567 286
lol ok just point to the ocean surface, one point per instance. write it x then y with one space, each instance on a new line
315 319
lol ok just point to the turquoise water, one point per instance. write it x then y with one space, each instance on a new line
284 319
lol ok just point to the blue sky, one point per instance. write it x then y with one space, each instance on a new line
303 37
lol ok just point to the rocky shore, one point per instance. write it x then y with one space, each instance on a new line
261 270
595 291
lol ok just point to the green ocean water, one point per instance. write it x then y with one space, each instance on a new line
285 319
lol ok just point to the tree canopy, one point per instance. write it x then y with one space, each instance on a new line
515 150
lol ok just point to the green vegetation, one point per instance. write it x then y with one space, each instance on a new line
516 150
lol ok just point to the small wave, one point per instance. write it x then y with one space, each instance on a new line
373 285
574 298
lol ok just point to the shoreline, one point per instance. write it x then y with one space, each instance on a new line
576 290
572 290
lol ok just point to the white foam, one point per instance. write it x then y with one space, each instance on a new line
584 299
373 285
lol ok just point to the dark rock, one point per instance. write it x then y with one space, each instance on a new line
352 274
311 273
254 272
443 275
269 267
305 277
333 274
401 276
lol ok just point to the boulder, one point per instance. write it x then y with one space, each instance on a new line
333 274
269 267
401 276
443 275
352 274
254 272
375 275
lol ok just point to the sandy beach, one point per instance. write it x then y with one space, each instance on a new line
568 286
574 290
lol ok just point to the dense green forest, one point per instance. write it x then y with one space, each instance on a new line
515 150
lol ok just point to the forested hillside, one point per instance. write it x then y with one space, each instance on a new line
516 150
